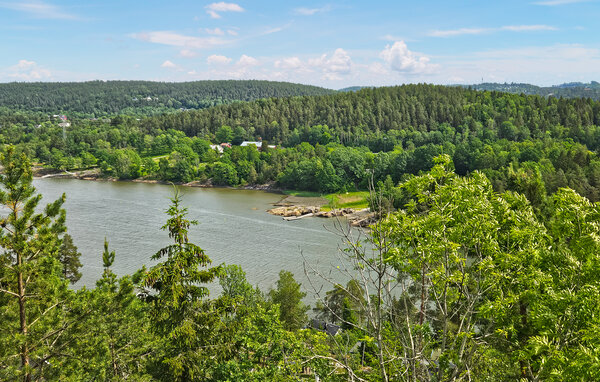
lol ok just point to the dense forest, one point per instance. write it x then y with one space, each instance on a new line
528 144
483 265
567 90
105 98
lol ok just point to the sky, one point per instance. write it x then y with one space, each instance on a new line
333 44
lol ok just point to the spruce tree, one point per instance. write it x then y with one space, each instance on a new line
180 310
69 257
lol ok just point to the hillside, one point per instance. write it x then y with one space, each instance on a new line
353 116
101 98
339 142
567 90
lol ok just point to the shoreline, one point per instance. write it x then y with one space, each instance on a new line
94 175
289 207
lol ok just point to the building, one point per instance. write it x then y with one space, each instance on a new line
248 143
258 144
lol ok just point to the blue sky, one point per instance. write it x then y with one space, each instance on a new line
332 44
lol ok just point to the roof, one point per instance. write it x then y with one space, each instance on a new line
331 329
248 143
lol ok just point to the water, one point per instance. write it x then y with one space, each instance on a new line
234 228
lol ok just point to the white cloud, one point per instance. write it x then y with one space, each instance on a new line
176 39
247 61
232 32
272 30
334 66
215 8
456 80
541 65
528 28
187 53
26 70
310 11
389 37
400 59
478 31
293 63
216 31
553 3
39 9
217 60
168 64
458 32
572 52
378 68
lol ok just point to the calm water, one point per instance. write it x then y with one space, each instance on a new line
234 228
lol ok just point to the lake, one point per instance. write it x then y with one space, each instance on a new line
234 228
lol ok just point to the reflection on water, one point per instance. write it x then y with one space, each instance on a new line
233 228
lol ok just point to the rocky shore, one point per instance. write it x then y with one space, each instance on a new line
357 218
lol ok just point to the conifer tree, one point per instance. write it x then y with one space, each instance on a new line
289 297
32 287
69 257
181 312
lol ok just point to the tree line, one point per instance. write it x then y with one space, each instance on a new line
106 98
567 90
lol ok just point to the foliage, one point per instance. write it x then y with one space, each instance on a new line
289 298
69 258
33 286
112 339
102 98
180 312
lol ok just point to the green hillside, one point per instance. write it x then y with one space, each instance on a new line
568 90
101 98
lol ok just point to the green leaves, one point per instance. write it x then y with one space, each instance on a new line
289 298
180 313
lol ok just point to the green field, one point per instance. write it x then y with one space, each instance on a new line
355 200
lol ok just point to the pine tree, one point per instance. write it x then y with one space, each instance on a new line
32 287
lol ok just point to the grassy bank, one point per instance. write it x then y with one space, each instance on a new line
357 199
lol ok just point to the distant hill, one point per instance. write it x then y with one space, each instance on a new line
592 84
101 98
567 90
353 88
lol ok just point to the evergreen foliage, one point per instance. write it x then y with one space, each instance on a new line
69 257
33 286
102 98
180 310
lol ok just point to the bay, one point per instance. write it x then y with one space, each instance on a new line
234 228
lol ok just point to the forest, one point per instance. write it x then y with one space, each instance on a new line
106 98
483 265
341 142
567 90
462 283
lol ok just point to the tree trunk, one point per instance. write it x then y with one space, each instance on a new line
23 319
523 338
